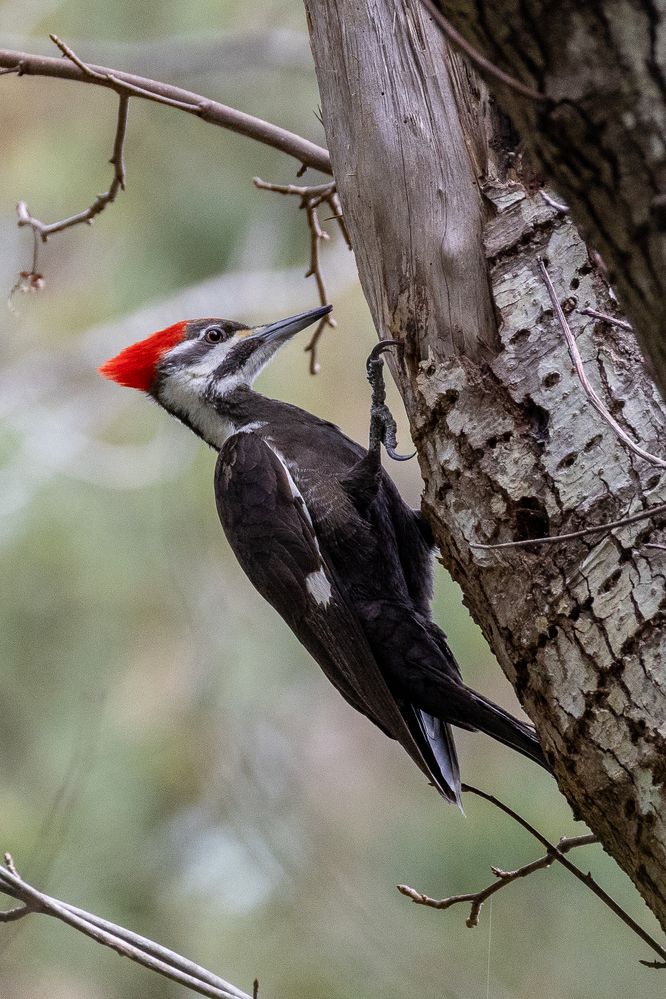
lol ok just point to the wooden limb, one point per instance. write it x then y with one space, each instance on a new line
504 878
611 320
311 198
553 852
44 230
72 68
574 535
126 943
585 879
559 206
479 60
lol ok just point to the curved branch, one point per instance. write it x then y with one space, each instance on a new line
126 943
504 878
311 199
44 230
585 879
306 152
553 539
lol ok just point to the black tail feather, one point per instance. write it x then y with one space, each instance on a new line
440 752
501 725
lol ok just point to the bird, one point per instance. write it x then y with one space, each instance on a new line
322 532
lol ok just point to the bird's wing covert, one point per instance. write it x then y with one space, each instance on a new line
270 531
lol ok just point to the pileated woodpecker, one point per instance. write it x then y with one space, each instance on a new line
323 534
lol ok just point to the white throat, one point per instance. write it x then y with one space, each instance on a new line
184 393
190 393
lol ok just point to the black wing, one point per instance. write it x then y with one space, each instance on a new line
270 531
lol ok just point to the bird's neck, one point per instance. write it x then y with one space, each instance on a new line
213 417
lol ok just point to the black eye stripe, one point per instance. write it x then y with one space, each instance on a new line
236 358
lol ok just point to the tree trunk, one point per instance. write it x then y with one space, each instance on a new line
600 136
447 225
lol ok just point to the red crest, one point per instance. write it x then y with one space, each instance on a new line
135 366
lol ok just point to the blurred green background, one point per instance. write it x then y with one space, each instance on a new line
171 758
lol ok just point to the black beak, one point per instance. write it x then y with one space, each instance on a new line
285 328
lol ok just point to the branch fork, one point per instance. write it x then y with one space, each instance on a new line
553 852
311 199
504 878
127 85
126 943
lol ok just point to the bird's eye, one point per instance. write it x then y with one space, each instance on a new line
214 335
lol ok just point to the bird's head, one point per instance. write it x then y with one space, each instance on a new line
193 365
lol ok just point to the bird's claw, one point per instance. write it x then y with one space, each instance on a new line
382 424
378 350
398 457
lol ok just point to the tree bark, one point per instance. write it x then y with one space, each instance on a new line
447 224
600 135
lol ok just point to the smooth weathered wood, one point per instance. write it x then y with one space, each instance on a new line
508 444
401 110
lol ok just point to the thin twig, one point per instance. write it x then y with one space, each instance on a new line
44 230
310 199
126 943
317 192
559 206
504 878
480 60
584 380
611 320
306 152
552 539
586 879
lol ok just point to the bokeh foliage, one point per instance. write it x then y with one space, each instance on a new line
172 759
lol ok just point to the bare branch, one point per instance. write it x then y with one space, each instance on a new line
28 281
311 199
611 320
585 879
478 59
552 853
504 878
574 535
126 943
584 380
306 152
101 201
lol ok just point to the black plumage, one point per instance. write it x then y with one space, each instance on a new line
296 497
323 534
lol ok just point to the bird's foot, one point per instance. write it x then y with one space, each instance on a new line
382 425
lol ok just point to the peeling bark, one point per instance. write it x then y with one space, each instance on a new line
447 225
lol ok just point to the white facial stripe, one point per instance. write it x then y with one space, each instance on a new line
208 364
190 391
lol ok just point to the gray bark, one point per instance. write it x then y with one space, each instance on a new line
447 227
601 135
